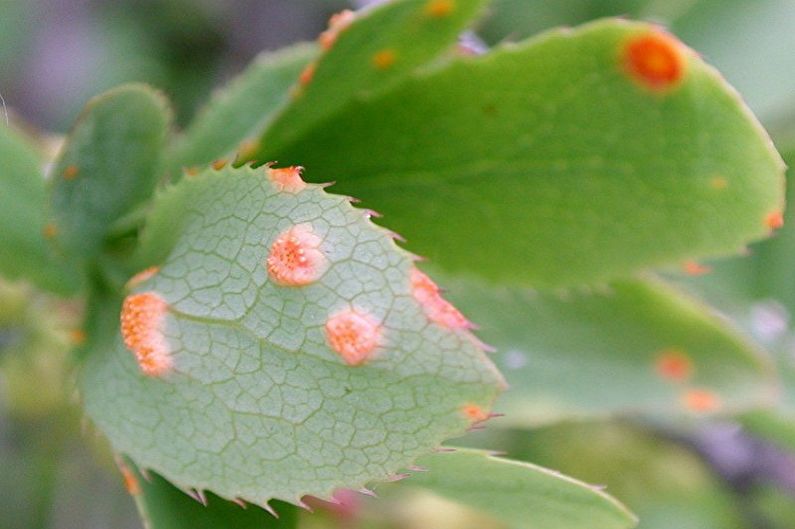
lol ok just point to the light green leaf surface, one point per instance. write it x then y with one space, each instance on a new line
522 495
257 405
163 506
241 110
109 165
581 354
544 164
24 252
403 30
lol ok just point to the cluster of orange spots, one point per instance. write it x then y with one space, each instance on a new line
338 23
700 400
438 309
354 335
674 365
384 59
50 230
439 8
693 268
144 275
474 413
655 60
142 319
70 172
287 178
718 182
130 481
774 220
219 164
77 337
295 258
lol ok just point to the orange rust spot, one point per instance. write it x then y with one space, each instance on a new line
295 258
384 59
439 8
354 335
307 74
144 275
474 413
655 60
700 400
219 164
438 309
77 337
50 230
142 319
247 149
191 171
718 182
774 220
130 481
338 23
674 365
287 178
70 172
693 268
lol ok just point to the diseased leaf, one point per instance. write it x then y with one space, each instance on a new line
637 346
109 165
271 376
241 110
554 162
522 495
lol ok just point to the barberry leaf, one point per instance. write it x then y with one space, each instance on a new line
634 347
109 165
25 253
240 111
522 495
269 376
567 159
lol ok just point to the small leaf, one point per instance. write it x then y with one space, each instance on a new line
377 48
163 506
557 161
260 388
637 346
24 252
109 165
522 495
241 110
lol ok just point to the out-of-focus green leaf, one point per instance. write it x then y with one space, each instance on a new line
255 403
241 110
522 495
109 165
545 164
24 252
637 346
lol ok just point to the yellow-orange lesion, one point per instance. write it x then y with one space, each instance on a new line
142 321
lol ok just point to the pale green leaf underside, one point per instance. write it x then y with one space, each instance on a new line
24 252
545 164
584 354
108 166
258 405
522 495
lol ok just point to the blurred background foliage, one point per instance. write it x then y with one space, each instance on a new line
55 54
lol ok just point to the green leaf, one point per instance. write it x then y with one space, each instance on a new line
25 252
109 165
522 495
242 109
546 164
163 506
637 346
256 404
400 36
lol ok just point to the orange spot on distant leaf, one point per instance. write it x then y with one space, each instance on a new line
474 413
718 182
130 481
77 336
354 335
439 8
191 171
50 230
247 149
701 400
438 309
307 74
384 59
295 258
674 365
142 320
774 220
338 23
219 164
287 178
144 275
655 60
70 172
693 268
